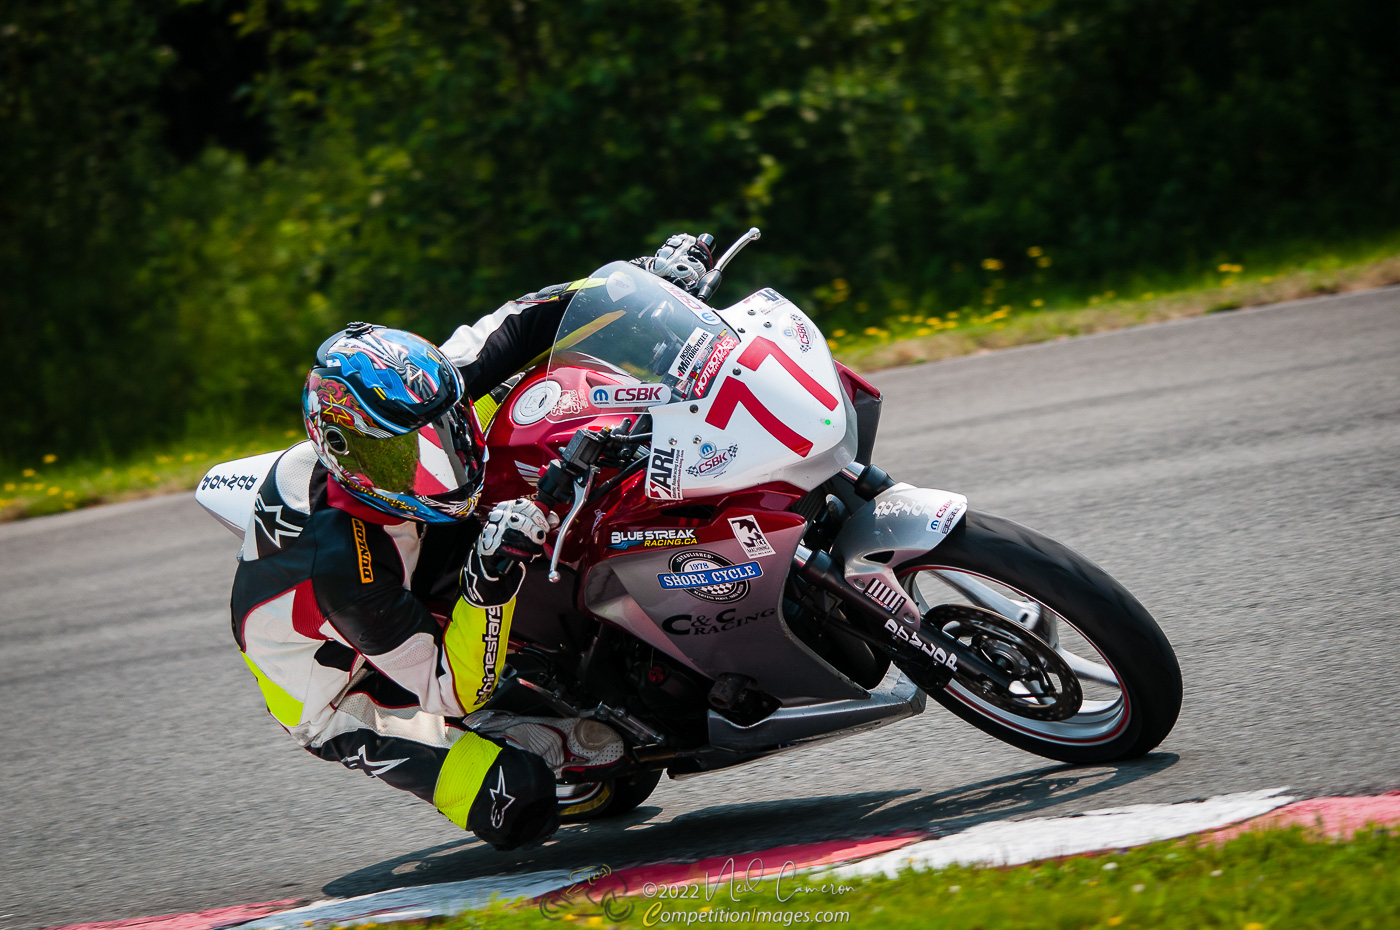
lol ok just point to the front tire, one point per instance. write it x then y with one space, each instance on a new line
1131 678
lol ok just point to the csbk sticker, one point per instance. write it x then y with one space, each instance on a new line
664 474
713 460
629 395
797 329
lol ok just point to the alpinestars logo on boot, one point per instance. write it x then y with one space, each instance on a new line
499 799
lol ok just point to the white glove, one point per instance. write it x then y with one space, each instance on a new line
515 530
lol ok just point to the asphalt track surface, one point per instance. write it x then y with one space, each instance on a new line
1240 473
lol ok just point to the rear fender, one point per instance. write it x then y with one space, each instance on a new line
900 523
227 491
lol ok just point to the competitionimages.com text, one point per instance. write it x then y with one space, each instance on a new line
658 916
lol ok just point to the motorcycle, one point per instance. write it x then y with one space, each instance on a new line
732 577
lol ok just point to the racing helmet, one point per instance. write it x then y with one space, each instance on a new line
386 413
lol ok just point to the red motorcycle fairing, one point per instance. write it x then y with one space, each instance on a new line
620 545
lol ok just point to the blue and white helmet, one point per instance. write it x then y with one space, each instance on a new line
386 413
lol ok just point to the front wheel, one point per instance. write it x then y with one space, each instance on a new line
1127 676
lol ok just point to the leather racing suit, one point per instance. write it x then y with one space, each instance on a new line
332 611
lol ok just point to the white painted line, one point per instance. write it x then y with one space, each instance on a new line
1007 842
414 903
1002 842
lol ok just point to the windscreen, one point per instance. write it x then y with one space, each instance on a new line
652 336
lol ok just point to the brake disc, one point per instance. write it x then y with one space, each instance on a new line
1052 690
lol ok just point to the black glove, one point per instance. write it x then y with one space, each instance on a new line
683 259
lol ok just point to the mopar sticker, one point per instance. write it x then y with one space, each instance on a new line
708 576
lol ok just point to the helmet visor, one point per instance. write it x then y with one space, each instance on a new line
439 462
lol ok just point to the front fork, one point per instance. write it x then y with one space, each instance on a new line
929 654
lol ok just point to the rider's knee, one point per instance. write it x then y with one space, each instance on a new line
502 794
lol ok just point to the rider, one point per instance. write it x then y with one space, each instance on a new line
355 532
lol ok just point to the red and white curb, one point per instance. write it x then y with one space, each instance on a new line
996 843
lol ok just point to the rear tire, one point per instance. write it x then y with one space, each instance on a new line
611 798
1130 645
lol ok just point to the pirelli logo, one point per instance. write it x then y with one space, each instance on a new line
362 551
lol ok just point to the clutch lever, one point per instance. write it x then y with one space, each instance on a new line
581 488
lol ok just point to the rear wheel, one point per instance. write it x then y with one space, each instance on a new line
1111 683
611 798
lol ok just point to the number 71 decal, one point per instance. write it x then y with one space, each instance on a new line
734 392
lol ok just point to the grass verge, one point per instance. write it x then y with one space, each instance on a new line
52 486
904 340
1266 880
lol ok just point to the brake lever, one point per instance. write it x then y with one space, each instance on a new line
581 489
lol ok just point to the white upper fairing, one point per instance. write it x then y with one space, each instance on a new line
753 393
227 491
775 410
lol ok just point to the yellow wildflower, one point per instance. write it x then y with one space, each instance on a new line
1043 261
992 264
163 459
53 491
28 473
873 331
50 459
1115 920
1037 302
1035 251
838 334
67 493
1148 296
